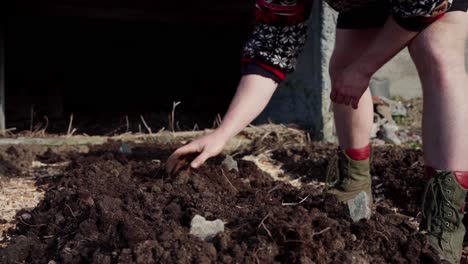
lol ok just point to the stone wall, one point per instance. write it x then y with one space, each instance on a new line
303 98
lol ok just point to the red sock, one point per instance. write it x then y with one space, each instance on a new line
461 176
359 154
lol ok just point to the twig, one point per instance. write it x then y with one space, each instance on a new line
146 125
195 127
222 171
276 187
21 220
262 224
268 231
72 132
415 164
320 232
217 121
70 124
10 129
113 132
265 136
172 117
383 235
46 125
383 228
127 124
71 211
291 204
294 241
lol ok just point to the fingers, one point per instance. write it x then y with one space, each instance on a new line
339 98
200 159
355 102
347 100
187 149
176 161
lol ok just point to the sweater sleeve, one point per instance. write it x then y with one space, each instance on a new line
415 15
278 38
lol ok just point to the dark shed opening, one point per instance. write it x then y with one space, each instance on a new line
104 60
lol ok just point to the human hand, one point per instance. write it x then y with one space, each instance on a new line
348 86
196 152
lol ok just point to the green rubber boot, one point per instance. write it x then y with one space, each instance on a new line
442 211
346 178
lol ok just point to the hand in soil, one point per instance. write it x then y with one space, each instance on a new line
196 152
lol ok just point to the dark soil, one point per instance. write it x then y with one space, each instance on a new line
115 208
15 161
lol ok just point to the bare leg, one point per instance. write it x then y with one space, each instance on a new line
438 53
353 127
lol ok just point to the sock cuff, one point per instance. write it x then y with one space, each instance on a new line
360 153
460 176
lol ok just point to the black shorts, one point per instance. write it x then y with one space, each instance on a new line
376 14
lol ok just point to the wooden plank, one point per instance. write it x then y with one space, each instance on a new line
2 80
246 140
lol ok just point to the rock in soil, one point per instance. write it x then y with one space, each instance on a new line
359 207
230 163
205 230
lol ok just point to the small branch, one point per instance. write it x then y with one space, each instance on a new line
276 187
127 123
222 171
291 204
217 121
172 117
320 232
262 224
21 220
72 132
71 211
146 125
70 126
46 125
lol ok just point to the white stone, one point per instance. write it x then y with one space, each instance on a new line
125 148
389 135
359 207
205 230
230 163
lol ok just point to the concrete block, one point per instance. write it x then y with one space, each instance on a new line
303 98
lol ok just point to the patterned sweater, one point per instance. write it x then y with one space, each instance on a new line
280 31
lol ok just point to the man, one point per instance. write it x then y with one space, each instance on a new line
369 33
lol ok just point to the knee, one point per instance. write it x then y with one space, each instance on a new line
435 57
